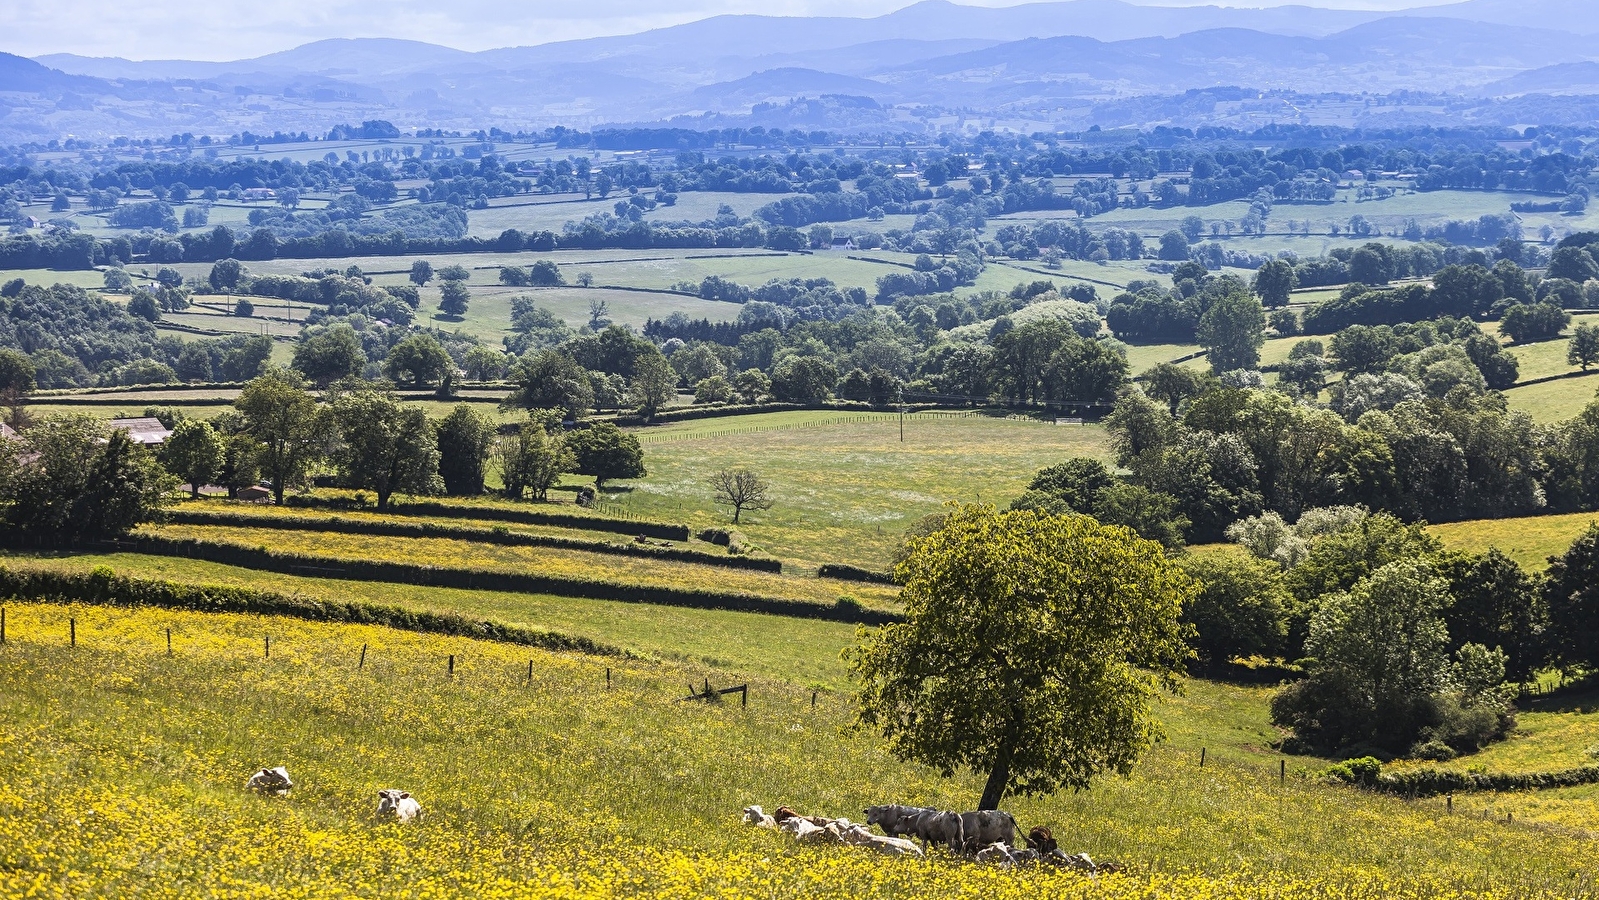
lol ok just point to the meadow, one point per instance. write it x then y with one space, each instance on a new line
845 491
1529 540
125 768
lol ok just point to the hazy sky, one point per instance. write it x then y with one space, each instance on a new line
239 29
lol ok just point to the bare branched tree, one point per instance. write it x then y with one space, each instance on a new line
741 489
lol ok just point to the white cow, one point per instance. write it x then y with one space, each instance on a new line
858 836
270 781
804 830
754 815
399 804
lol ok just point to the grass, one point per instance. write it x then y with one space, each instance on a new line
122 770
1530 541
488 316
1555 401
845 492
461 554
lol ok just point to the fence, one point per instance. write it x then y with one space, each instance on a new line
852 419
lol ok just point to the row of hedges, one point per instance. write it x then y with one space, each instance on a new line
662 530
102 587
1432 782
854 573
313 566
467 533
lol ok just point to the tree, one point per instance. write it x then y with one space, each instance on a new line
712 390
1233 331
1527 322
752 385
484 363
244 309
545 273
143 305
551 380
1584 349
384 446
1496 604
599 315
16 383
533 459
283 418
421 272
225 275
804 379
1241 607
1378 657
454 273
1173 246
741 489
653 385
1174 384
604 452
1571 589
1274 281
194 453
330 354
1031 648
464 439
76 478
453 297
419 359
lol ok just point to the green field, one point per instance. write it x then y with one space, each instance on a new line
1530 540
845 491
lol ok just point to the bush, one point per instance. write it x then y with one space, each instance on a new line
1364 771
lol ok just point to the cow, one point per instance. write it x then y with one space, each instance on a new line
894 819
938 827
987 827
754 815
400 804
858 836
270 781
997 852
1041 839
803 829
785 813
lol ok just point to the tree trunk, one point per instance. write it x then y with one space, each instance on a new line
998 780
736 510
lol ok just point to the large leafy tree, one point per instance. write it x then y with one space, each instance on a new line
551 380
419 360
1031 650
283 419
653 385
606 452
384 445
1233 331
533 459
464 438
78 479
1274 282
330 354
1572 592
194 453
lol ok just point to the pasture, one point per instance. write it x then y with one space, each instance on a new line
845 487
1530 540
555 786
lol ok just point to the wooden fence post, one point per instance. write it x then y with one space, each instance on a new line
607 676
813 699
1201 757
2 624
1449 804
266 644
169 640
530 671
1282 771
362 664
72 625
452 665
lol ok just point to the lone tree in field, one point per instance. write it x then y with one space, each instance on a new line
1584 349
1031 649
194 453
741 489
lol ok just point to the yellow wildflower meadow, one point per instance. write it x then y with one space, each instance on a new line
122 771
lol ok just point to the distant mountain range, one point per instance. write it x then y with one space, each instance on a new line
1037 62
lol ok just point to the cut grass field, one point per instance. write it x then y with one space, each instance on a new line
845 492
1555 401
123 771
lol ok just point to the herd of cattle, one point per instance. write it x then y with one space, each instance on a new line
399 805
987 836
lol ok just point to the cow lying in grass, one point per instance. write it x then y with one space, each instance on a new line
270 781
931 826
822 830
399 804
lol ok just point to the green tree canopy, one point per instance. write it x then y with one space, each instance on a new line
606 452
194 453
283 420
418 360
1233 331
384 445
464 438
78 479
330 354
1031 650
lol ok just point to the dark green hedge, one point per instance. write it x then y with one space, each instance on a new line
1432 782
313 566
854 573
662 530
466 533
103 588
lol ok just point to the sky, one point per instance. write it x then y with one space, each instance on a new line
241 29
